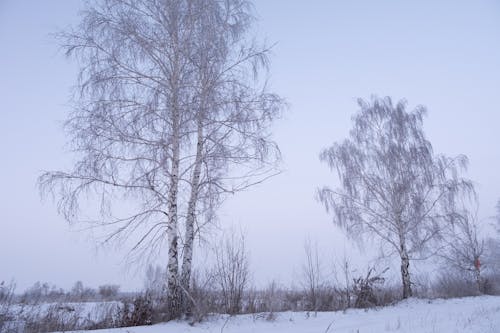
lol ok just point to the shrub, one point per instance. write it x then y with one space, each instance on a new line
232 272
364 289
450 284
138 312
109 291
6 300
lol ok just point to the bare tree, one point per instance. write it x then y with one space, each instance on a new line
343 267
168 101
492 246
312 271
392 186
132 102
232 119
465 249
232 272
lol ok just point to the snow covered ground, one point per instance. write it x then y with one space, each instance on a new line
471 315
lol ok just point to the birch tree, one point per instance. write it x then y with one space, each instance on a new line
393 188
492 245
465 248
233 114
168 101
312 275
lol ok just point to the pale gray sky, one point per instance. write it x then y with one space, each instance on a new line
442 54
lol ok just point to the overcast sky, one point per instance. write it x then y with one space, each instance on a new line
441 54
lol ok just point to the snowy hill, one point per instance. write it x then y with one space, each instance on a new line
471 314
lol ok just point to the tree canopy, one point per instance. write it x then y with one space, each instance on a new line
392 185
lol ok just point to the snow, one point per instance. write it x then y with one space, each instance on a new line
471 314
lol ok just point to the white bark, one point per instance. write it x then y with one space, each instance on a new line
187 259
174 296
173 229
405 273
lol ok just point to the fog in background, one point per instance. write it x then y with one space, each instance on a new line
444 55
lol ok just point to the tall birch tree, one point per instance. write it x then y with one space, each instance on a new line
234 113
168 101
393 188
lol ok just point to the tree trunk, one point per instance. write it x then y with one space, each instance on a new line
405 272
190 220
173 285
173 299
477 274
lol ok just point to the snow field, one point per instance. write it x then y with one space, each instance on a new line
470 314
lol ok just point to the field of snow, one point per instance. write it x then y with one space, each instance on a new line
471 315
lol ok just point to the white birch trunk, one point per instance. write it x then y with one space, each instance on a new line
405 271
173 299
172 230
190 219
